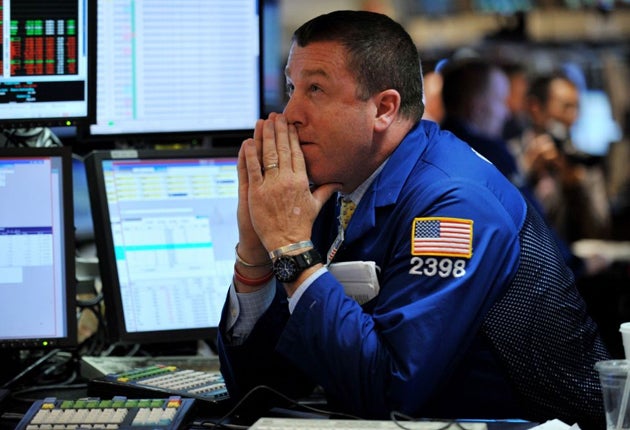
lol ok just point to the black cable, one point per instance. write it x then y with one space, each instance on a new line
395 415
10 138
26 137
204 425
30 368
84 303
66 385
219 424
110 349
60 367
134 350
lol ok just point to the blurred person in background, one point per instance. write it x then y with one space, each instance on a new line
570 185
475 97
516 99
432 83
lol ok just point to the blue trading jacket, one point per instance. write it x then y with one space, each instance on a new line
418 347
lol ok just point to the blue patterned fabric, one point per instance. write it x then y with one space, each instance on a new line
534 329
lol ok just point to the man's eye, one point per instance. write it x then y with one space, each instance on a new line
314 88
289 88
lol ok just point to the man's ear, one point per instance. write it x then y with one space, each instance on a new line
387 107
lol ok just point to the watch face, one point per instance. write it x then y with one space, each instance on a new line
285 269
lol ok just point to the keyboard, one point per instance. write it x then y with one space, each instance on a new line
164 380
118 412
279 423
97 366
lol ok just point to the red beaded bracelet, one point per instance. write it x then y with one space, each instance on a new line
256 282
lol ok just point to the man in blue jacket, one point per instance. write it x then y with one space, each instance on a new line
476 315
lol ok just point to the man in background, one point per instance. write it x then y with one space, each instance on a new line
475 96
570 185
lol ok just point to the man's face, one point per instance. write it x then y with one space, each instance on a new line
563 102
335 127
493 105
518 93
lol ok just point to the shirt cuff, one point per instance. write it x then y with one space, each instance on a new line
246 308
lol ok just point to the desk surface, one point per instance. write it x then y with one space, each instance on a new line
341 424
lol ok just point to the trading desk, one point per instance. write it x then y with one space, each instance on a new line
65 398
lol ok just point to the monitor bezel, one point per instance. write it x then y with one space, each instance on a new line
69 340
116 331
74 121
142 139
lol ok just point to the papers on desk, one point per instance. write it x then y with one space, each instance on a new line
358 278
287 423
613 250
555 425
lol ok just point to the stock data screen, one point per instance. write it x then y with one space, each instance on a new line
43 62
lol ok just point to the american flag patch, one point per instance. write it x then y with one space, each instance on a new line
448 237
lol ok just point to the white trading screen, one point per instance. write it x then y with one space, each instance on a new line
174 228
32 266
177 66
43 60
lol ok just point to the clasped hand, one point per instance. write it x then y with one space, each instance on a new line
276 205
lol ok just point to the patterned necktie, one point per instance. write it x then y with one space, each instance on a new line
346 211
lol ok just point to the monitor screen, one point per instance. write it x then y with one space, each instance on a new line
167 68
595 128
44 63
37 286
165 230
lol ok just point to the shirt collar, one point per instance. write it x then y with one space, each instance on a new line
358 193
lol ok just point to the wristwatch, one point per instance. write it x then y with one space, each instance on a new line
287 268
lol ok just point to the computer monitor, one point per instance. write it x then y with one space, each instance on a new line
37 284
177 69
44 63
165 230
595 128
